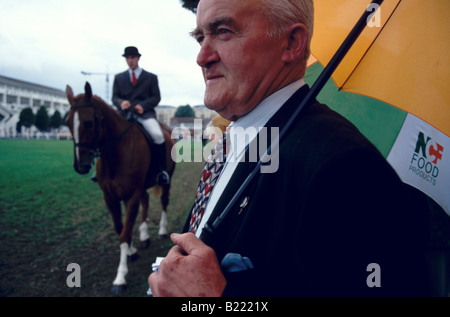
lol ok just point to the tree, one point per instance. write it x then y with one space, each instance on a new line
26 117
42 120
56 120
190 5
184 111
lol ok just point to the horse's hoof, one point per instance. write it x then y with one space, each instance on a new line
162 236
145 244
134 257
118 289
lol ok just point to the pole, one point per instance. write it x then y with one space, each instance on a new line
208 230
107 80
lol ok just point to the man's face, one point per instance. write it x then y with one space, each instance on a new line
132 61
240 64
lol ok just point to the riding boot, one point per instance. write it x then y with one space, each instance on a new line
163 177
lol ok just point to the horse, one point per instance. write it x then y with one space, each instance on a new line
124 171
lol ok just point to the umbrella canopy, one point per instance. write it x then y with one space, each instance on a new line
399 58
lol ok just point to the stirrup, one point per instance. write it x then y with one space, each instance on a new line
163 178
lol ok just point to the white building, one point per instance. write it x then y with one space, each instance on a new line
165 113
203 113
16 95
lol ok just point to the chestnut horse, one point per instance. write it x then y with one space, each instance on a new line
123 168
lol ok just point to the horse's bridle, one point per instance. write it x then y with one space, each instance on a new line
94 146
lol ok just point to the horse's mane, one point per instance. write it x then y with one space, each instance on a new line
112 109
103 105
108 107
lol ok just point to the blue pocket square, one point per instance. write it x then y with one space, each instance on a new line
233 262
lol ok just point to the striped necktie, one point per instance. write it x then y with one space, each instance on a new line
210 174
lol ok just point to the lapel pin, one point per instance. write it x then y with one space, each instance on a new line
243 204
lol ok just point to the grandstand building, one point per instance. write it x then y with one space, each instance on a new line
16 95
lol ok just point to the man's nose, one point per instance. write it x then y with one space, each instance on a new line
208 53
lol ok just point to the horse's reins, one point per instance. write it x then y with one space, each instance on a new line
95 146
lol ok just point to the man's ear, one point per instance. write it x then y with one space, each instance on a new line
297 41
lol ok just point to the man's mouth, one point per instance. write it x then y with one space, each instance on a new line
212 77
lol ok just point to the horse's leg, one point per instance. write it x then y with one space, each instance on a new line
132 209
163 231
115 211
144 237
119 282
126 249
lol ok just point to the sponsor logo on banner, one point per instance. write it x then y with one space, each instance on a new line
421 157
424 161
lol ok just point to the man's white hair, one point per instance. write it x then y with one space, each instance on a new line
281 14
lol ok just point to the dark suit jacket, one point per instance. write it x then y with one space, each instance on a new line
313 228
145 92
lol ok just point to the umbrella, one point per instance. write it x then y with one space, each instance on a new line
400 58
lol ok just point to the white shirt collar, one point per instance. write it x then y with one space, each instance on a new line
137 72
259 116
244 130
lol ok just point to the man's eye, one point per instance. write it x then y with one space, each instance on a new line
224 34
200 39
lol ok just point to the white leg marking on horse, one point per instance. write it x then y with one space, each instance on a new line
76 134
131 250
143 232
163 224
122 270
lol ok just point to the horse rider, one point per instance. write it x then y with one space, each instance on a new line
137 90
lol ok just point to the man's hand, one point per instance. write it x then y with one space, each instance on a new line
125 105
139 109
190 269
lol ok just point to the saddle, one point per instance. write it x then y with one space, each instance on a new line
132 117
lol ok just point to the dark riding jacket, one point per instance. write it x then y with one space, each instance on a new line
145 92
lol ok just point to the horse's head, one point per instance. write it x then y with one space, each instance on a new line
84 123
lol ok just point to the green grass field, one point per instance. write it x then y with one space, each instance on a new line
51 216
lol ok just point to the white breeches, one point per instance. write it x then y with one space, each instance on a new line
152 127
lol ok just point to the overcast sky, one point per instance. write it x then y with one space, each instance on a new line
49 42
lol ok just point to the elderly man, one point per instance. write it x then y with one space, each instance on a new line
332 220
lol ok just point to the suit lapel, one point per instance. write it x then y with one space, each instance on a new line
141 78
126 79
